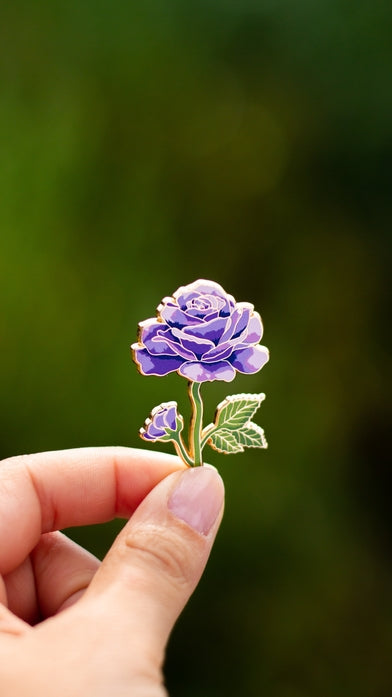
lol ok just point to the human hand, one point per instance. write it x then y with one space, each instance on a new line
70 625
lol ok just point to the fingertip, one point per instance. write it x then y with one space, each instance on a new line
197 498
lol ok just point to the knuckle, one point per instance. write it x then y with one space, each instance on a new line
164 553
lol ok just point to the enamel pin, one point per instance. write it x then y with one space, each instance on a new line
203 334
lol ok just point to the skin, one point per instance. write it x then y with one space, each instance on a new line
70 625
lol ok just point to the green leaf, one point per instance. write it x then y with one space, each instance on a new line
237 410
226 442
251 436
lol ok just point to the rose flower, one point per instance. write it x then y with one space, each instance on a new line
202 333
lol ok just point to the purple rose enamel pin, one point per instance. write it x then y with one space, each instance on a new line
203 334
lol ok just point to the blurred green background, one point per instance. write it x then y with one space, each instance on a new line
144 145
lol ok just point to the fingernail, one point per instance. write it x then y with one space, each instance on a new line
197 498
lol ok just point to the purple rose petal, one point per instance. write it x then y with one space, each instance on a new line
185 352
196 313
146 436
159 419
155 432
192 343
249 360
211 315
201 372
255 329
183 296
171 417
243 320
212 331
230 326
176 317
156 365
152 335
219 353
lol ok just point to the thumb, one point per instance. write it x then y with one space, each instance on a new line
157 560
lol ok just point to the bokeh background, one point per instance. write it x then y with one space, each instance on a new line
144 145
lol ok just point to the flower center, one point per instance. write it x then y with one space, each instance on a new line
199 304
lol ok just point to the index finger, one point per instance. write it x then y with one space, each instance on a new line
55 490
